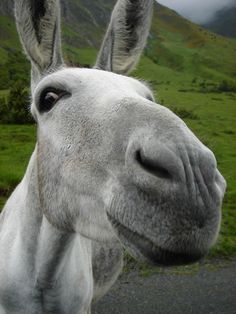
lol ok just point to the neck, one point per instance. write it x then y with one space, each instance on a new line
53 245
38 254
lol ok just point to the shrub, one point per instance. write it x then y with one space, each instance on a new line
225 86
16 109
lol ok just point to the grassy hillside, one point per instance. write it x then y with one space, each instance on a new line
188 67
187 48
174 43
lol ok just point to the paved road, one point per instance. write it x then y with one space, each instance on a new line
207 291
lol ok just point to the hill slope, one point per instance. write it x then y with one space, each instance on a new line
175 44
181 45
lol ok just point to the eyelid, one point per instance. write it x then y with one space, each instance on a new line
53 87
56 90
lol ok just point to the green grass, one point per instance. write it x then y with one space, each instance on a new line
16 146
4 94
185 57
82 56
180 58
216 127
146 270
214 124
211 116
9 38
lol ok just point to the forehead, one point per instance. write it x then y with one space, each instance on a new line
73 78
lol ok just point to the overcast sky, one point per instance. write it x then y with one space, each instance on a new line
198 11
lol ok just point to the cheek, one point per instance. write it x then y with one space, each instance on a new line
86 201
70 193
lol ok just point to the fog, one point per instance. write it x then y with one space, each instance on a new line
198 11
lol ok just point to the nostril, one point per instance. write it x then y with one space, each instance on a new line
152 166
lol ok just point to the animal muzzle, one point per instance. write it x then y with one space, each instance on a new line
182 178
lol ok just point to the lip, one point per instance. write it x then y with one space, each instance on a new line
150 251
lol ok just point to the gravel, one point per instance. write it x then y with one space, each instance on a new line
207 290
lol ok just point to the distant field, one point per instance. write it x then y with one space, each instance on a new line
211 116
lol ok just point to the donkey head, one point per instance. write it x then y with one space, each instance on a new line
110 160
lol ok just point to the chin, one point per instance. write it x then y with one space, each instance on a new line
169 234
145 250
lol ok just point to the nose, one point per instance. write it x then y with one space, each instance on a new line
153 165
160 162
156 164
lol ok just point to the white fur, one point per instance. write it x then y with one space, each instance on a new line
110 168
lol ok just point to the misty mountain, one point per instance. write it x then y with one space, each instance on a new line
6 7
224 22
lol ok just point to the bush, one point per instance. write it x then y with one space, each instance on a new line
225 86
16 109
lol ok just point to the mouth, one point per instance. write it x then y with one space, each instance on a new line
145 249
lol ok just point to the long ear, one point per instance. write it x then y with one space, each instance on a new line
126 36
38 23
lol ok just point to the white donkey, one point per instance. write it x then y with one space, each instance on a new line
110 167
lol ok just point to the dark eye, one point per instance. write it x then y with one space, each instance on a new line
49 98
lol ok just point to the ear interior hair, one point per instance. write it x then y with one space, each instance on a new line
126 36
38 24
